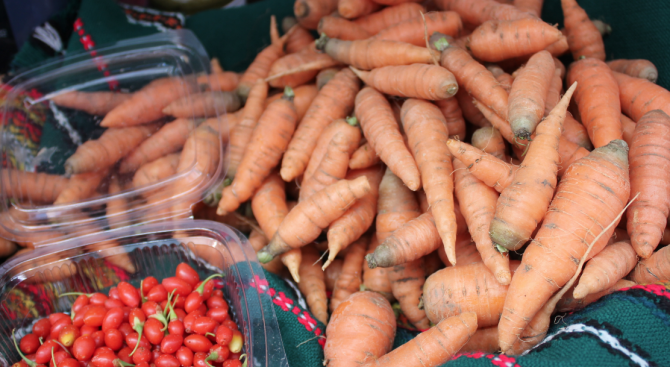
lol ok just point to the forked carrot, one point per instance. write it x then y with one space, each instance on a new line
113 144
583 37
93 103
453 116
349 281
427 131
364 157
32 186
305 222
206 104
335 100
389 17
431 82
638 68
358 219
268 142
413 30
147 104
382 131
613 263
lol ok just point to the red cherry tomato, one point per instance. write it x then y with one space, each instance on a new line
208 288
81 301
148 283
217 314
126 329
113 303
167 360
231 324
199 359
155 353
95 315
178 301
68 334
217 302
29 343
78 319
232 363
217 293
185 356
114 293
126 312
142 364
69 362
124 354
181 314
189 320
57 316
59 357
87 330
203 325
99 338
176 327
150 308
157 294
42 328
103 357
142 354
113 319
128 294
97 299
83 348
186 273
223 335
153 332
43 354
114 339
171 343
193 302
221 351
197 343
136 317
131 340
235 356
57 326
181 287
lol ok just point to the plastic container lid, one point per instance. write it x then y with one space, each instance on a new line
29 217
77 265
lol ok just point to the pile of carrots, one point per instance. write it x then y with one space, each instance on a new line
439 156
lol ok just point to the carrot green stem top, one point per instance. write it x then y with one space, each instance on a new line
321 42
288 93
25 359
441 44
352 120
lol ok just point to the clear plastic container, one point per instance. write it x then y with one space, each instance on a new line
124 67
156 249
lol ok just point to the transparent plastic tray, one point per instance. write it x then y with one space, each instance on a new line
124 67
78 265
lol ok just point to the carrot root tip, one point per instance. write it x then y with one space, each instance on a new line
580 291
321 43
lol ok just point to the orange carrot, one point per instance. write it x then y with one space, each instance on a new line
569 303
518 211
358 219
613 263
456 290
259 69
298 68
531 6
647 217
305 222
433 347
477 12
292 260
472 76
576 133
410 242
504 79
309 12
269 204
257 240
470 112
117 206
654 269
334 165
304 95
478 207
81 186
267 144
628 127
93 103
453 116
352 9
313 283
432 262
349 281
396 205
413 30
489 140
147 104
39 187
226 81
240 134
168 139
383 134
207 104
389 17
334 101
638 68
324 76
639 96
341 28
583 37
483 340
156 171
426 130
528 94
372 53
376 279
341 127
407 285
332 272
361 330
364 157
431 82
598 99
299 38
591 196
494 40
113 144
493 171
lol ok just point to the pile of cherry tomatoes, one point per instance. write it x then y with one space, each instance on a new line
181 321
